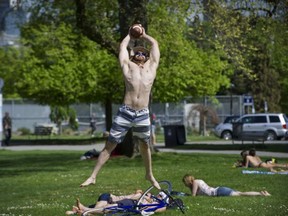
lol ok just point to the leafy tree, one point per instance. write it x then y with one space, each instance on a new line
197 39
58 60
268 35
279 53
9 69
60 113
249 34
193 71
58 69
280 63
265 85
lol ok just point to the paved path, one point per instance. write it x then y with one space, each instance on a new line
160 146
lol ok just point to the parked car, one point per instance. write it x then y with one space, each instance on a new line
224 129
267 126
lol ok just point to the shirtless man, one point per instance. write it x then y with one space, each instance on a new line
139 72
254 161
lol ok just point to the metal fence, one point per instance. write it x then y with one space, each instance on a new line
27 114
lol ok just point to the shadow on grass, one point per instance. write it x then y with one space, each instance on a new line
17 163
260 147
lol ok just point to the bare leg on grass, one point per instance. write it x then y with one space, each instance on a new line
146 155
102 159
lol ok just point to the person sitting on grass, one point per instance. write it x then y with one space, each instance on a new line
199 187
254 161
109 200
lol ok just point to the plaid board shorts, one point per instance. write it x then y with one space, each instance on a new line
128 118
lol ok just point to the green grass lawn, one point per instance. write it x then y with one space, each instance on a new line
47 182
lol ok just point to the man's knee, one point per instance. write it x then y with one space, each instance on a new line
143 145
109 147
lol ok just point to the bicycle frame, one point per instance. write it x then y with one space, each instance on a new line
141 205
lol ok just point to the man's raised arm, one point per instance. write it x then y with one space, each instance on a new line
154 51
123 52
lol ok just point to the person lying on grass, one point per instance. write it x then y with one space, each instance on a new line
106 200
254 161
199 187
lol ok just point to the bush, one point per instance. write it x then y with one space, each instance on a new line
68 131
24 131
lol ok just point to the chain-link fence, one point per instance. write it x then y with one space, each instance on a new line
27 114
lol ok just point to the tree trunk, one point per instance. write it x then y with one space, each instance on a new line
131 12
204 125
108 113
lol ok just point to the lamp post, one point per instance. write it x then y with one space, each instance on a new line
231 98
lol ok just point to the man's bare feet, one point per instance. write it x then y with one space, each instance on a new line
80 206
89 181
70 213
73 212
265 193
153 181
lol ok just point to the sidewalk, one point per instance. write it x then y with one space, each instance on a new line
160 146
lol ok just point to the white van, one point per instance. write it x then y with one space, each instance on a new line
269 126
266 126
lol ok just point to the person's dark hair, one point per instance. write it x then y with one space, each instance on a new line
243 153
252 152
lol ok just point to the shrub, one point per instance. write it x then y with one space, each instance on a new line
23 131
68 131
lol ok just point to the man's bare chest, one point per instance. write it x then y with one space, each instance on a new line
141 75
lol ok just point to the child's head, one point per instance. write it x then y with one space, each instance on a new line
188 180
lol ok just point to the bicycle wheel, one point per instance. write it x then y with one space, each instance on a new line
177 202
165 187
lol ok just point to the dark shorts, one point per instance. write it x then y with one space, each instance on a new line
224 191
126 202
105 197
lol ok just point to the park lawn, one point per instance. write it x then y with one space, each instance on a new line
47 182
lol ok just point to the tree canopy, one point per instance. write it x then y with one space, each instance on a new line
71 48
61 67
